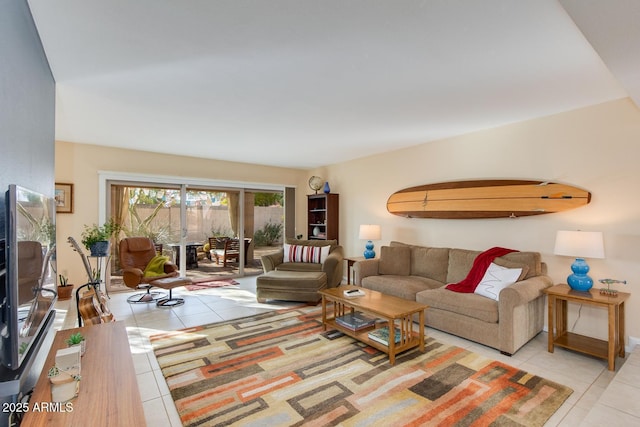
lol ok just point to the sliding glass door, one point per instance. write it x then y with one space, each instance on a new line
190 225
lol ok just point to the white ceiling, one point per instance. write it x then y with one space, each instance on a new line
306 83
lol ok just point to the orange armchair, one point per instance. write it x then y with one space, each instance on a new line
135 254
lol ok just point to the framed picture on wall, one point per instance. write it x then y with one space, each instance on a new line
64 198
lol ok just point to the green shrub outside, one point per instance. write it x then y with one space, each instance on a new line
268 235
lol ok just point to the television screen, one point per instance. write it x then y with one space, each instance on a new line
30 286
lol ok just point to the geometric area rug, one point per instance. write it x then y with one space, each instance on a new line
282 369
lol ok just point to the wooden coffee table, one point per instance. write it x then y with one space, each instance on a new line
393 310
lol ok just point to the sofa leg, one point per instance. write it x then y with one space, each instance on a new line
262 300
506 354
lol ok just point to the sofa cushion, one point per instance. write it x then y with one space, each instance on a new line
495 279
430 262
470 305
299 266
400 286
427 262
460 263
524 268
532 259
395 260
332 243
304 253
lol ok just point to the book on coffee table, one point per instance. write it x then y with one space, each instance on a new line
355 321
382 335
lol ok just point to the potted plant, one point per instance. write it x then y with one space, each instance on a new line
64 288
77 339
97 238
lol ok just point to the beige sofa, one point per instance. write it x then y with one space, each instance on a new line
421 273
332 265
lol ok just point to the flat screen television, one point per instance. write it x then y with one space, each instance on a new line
29 292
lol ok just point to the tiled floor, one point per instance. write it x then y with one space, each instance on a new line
588 377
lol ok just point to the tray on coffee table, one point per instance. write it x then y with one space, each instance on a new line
393 310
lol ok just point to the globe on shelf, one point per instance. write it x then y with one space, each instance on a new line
315 183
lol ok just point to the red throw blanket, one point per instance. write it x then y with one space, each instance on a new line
480 265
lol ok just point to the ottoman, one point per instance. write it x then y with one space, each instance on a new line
300 286
169 283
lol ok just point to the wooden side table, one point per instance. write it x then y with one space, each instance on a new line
350 261
560 295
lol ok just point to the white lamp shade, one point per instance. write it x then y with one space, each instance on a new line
580 244
369 232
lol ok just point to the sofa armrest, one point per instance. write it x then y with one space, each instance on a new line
365 268
170 267
272 260
524 291
132 276
521 312
332 266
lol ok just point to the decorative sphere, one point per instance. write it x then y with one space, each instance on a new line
315 183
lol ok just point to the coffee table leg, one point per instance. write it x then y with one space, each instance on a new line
324 313
421 333
392 342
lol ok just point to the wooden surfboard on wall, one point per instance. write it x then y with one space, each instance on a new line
486 199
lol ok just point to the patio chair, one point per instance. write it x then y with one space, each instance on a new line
215 243
225 249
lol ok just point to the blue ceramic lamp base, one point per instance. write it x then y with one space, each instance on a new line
579 280
369 252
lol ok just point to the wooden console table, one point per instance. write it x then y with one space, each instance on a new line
109 394
559 295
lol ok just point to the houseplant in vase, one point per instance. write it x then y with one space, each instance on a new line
97 239
77 339
64 288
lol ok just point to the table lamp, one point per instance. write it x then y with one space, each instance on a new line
369 232
579 244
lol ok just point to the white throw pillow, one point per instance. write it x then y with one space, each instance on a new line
300 253
496 279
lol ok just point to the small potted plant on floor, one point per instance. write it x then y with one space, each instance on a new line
77 339
64 288
97 239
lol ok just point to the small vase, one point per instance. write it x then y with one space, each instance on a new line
327 189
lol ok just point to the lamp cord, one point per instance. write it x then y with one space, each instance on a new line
578 318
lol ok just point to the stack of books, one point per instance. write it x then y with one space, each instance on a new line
382 335
355 321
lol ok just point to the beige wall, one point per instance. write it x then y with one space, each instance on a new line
596 148
80 164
